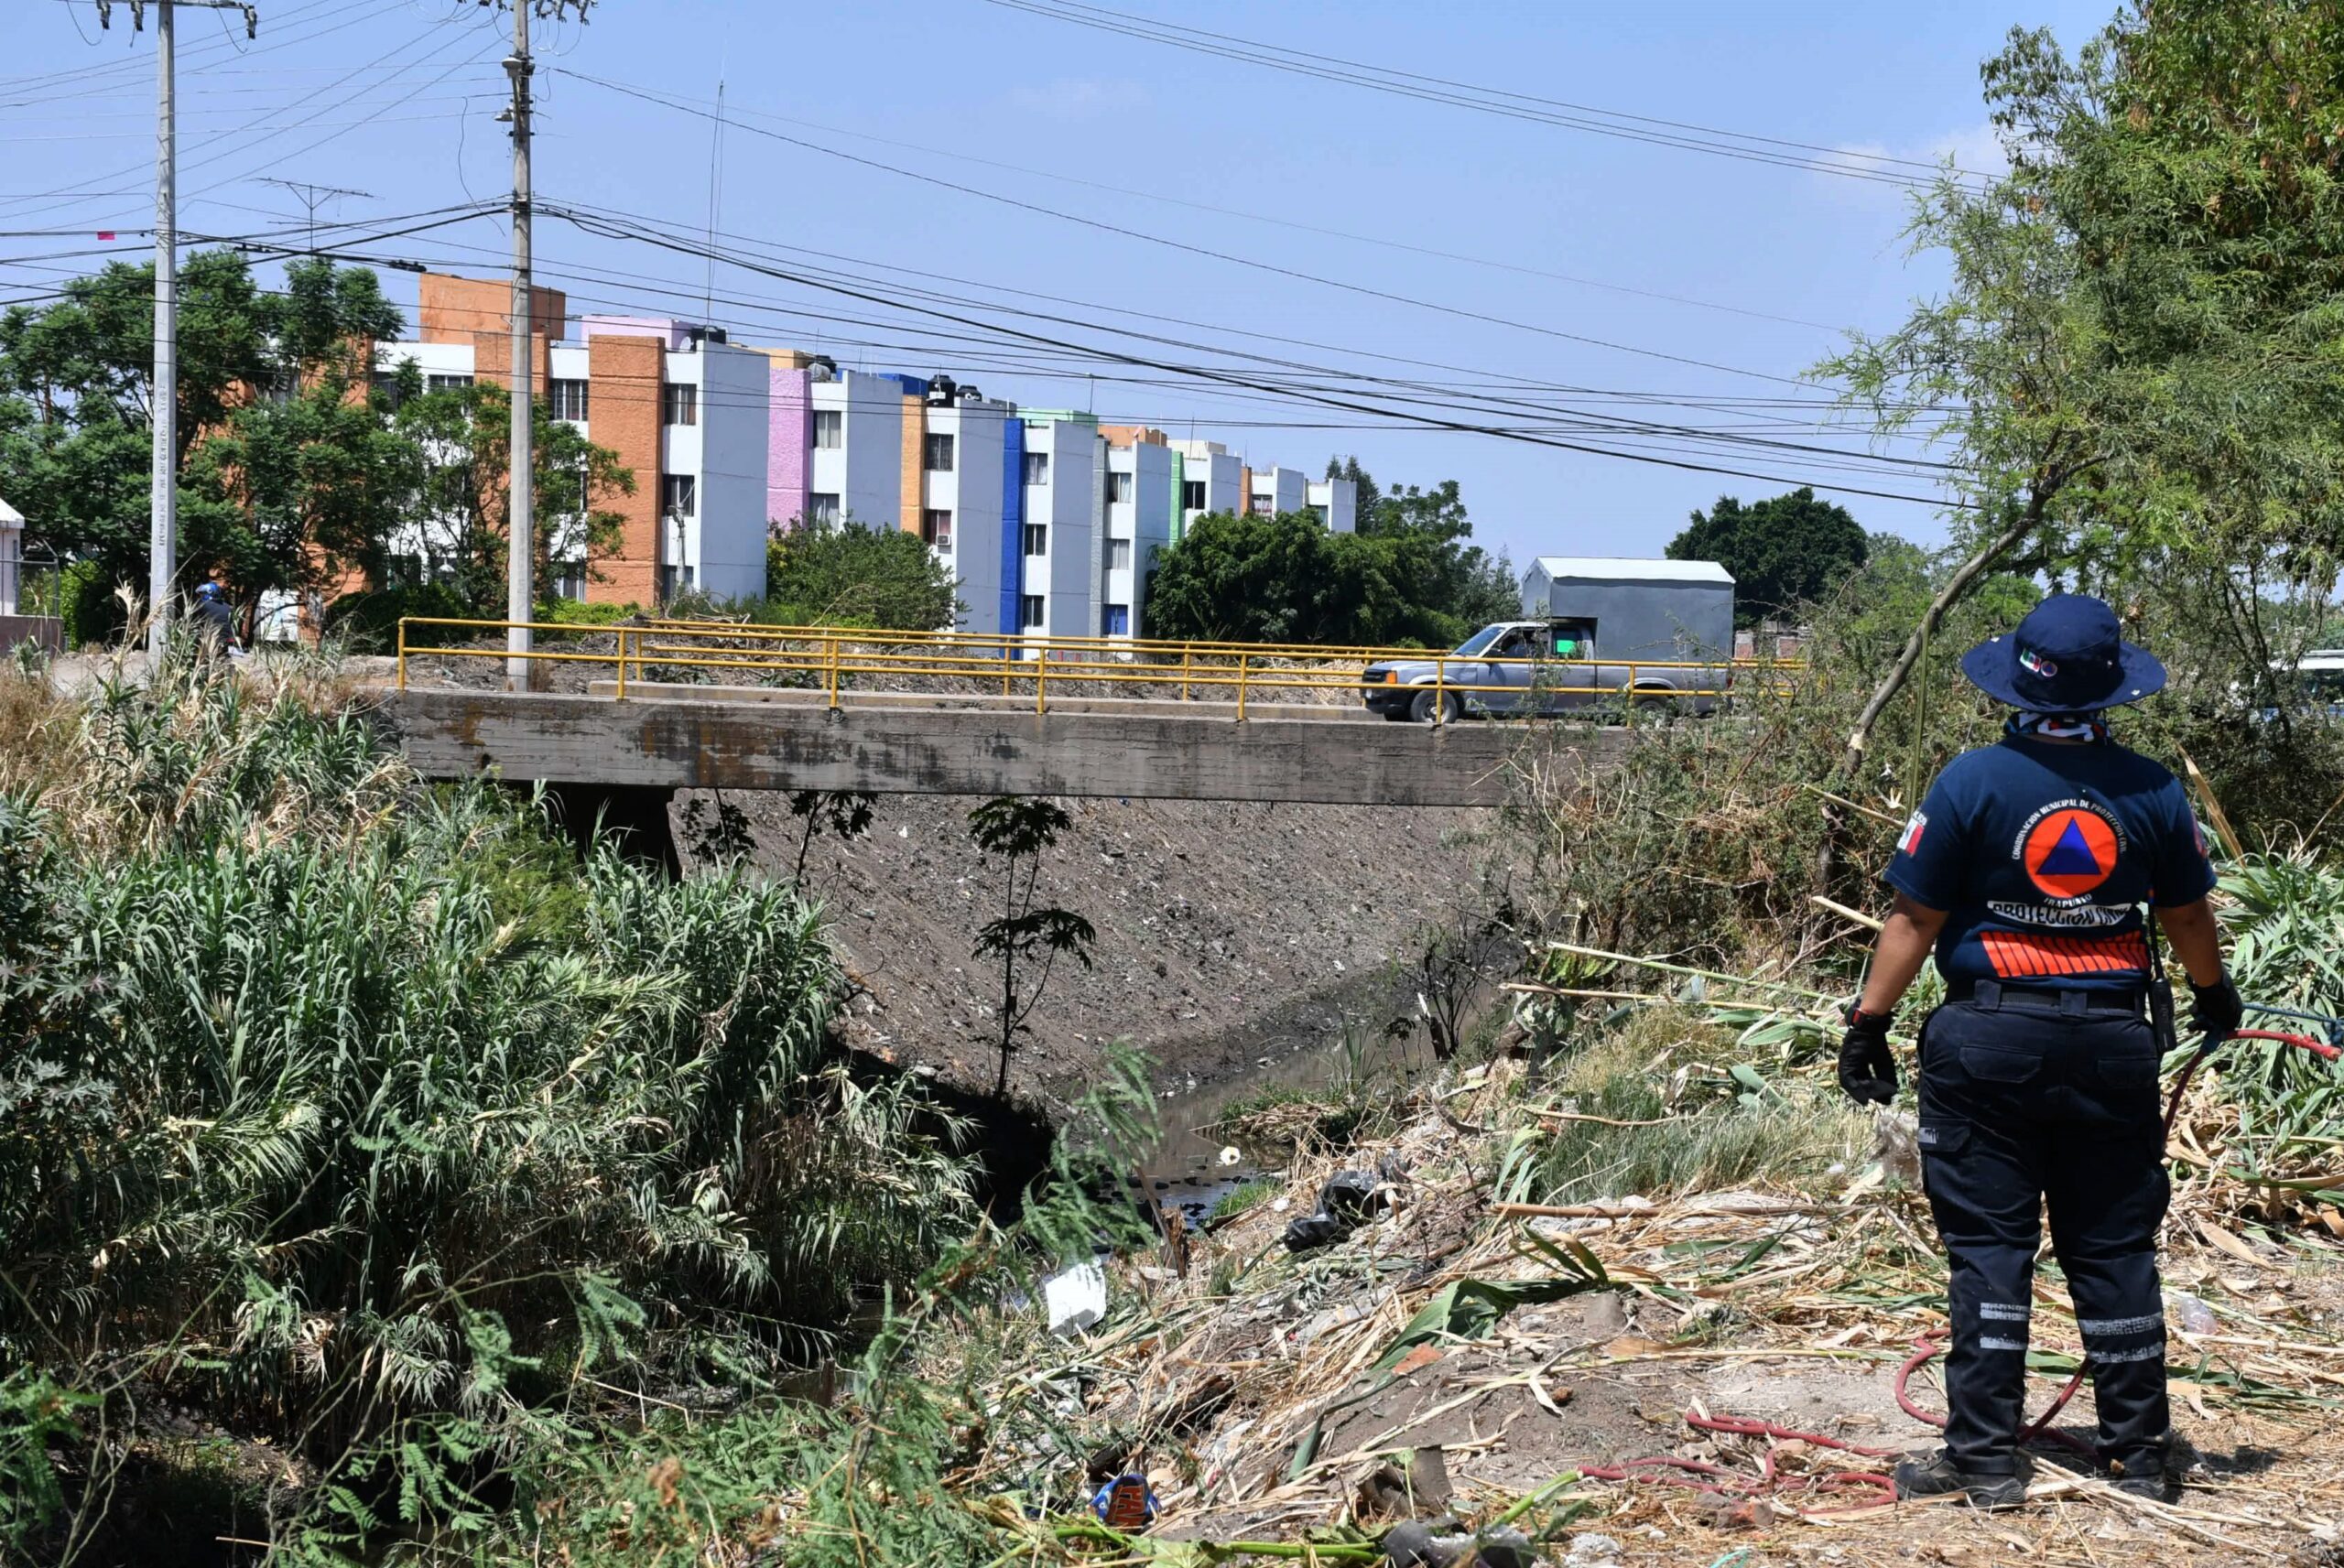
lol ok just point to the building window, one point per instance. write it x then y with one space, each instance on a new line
1119 555
569 580
1119 621
1030 613
1264 506
1192 495
386 385
678 495
1038 467
1119 487
935 527
568 399
822 509
830 429
679 404
936 456
1038 539
445 382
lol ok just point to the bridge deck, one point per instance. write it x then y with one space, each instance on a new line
703 737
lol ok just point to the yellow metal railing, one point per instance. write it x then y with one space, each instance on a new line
1244 674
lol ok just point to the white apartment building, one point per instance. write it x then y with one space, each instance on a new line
1063 496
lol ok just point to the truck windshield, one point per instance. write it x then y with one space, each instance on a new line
1480 640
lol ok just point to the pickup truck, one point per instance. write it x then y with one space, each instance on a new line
1534 667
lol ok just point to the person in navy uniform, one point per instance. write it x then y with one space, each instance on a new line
2027 870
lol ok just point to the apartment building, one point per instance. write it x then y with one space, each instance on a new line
1049 521
683 409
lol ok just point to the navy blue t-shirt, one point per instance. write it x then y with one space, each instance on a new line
2041 855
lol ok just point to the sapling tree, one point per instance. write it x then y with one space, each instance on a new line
1018 830
843 813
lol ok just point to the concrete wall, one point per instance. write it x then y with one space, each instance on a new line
1337 503
725 545
1009 577
789 438
712 743
866 472
973 493
1152 523
623 396
1065 505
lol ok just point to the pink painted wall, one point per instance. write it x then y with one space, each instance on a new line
789 436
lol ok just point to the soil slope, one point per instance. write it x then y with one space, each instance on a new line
1227 933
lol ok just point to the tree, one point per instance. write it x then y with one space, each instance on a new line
1783 551
287 478
2135 370
1019 829
854 575
1406 576
459 507
1364 490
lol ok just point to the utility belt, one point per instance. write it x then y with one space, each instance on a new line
2064 1001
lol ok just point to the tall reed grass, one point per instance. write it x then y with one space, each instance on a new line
363 1116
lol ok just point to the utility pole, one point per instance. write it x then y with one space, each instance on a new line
520 598
313 196
163 518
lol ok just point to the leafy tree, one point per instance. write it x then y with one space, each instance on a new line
2135 370
1406 576
287 479
856 575
1783 551
1019 829
460 505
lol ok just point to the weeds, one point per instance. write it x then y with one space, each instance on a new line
1243 1198
363 1117
1664 1106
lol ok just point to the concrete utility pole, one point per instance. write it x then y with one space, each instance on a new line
163 520
520 597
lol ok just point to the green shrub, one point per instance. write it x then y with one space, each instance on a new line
580 612
365 1117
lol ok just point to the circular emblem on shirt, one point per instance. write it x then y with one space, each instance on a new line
2069 851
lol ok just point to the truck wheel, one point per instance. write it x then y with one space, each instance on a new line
1654 708
1428 702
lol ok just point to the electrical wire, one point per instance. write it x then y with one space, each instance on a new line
1233 258
1782 152
1143 193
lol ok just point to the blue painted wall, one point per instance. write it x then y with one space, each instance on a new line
1013 521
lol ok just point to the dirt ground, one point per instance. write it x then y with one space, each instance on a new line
1810 1338
1226 933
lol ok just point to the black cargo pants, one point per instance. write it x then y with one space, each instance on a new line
2036 1094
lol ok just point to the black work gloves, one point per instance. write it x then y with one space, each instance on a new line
1867 1068
2216 1011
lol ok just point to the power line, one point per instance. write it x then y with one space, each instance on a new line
1206 374
1746 145
1273 367
1273 267
1324 232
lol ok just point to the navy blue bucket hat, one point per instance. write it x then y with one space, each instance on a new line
2066 657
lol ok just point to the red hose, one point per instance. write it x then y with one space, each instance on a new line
1768 1485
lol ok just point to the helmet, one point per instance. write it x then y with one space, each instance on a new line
207 590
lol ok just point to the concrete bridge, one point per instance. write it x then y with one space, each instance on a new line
659 739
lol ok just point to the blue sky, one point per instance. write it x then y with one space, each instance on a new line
1768 264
